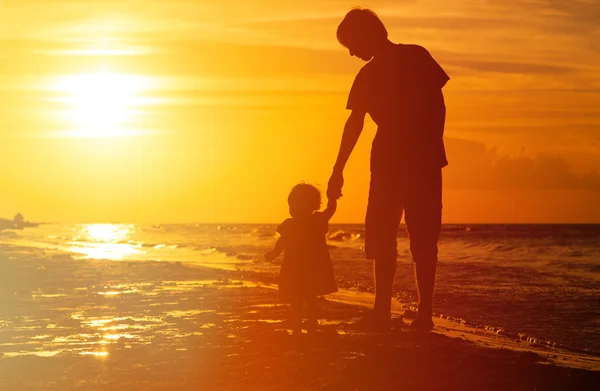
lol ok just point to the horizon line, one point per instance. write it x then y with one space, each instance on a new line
276 223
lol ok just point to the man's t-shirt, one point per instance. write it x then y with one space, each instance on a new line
402 92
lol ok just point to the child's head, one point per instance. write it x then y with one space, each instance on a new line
303 200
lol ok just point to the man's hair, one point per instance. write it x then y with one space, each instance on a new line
305 196
361 24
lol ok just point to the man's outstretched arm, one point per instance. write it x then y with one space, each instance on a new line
352 130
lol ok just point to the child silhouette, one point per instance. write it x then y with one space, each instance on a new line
307 271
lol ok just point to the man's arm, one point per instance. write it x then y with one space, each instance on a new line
352 130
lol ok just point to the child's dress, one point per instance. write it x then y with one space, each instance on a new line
307 269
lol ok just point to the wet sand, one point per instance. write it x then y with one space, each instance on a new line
101 325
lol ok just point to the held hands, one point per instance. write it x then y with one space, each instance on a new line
334 187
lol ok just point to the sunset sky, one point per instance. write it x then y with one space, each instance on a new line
210 111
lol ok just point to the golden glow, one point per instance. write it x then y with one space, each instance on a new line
102 104
237 102
92 52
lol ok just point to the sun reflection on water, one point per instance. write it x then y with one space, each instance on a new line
107 232
99 330
105 241
96 354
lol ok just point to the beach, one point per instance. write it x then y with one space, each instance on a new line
146 325
173 171
536 283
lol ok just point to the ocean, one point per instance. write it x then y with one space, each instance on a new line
536 283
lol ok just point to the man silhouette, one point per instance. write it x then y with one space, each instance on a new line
401 89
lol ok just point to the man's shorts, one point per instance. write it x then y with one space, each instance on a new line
420 198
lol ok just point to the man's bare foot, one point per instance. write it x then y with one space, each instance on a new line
422 323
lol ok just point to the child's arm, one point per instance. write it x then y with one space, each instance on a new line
330 210
279 247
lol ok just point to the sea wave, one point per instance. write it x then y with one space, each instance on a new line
264 232
342 235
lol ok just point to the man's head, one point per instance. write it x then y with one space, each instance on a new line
362 32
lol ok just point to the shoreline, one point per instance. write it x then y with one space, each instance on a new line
487 336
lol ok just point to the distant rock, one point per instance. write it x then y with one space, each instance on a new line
18 222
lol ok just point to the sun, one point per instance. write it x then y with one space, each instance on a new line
102 104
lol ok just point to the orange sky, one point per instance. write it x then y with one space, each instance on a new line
165 111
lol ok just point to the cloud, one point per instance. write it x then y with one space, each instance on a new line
478 38
473 166
185 57
504 66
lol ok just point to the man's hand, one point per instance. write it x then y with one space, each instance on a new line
334 187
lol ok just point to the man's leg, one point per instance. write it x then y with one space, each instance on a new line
384 212
423 221
385 271
425 276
